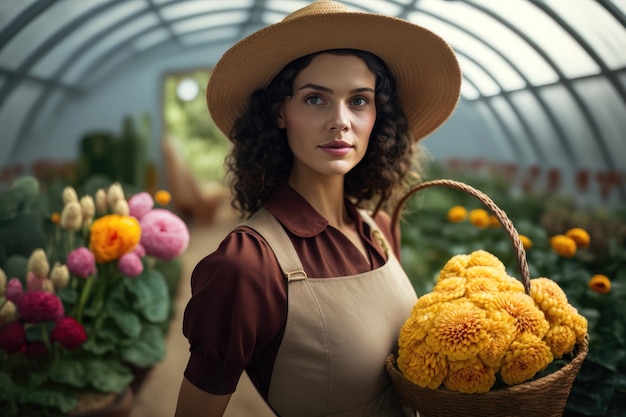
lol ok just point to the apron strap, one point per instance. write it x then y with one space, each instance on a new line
264 223
375 232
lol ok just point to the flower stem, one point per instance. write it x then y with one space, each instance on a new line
83 298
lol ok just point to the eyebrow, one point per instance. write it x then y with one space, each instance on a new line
328 90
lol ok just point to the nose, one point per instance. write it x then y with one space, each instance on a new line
339 120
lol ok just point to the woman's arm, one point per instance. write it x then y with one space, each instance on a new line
193 402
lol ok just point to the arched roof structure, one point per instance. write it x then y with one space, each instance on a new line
544 81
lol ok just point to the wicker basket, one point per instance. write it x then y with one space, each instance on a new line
542 397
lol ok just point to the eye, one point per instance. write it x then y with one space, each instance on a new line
359 101
314 100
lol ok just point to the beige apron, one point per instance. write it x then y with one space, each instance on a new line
339 331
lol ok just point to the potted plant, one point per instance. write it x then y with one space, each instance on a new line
81 313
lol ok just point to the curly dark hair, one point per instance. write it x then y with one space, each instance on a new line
261 158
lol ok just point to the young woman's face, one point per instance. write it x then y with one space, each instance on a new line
330 117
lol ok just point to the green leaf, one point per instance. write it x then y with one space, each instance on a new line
69 372
147 350
50 396
152 299
108 375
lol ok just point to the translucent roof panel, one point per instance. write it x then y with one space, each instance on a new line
194 8
212 35
9 10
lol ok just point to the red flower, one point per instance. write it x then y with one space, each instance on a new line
38 306
69 333
12 337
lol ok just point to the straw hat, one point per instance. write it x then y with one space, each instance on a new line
425 67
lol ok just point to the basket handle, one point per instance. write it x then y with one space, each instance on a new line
488 202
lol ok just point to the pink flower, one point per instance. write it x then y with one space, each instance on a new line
69 333
81 262
164 235
35 349
140 204
130 265
12 337
14 290
38 306
34 282
139 250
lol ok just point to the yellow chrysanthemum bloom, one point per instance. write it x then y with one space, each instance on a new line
578 323
526 242
483 258
470 376
600 283
113 236
528 318
417 326
453 286
459 331
480 271
580 236
560 340
563 246
479 218
547 294
480 285
162 197
457 214
455 267
501 334
433 298
422 365
526 356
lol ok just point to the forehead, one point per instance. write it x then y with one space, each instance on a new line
327 68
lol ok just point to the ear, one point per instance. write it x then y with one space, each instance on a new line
280 117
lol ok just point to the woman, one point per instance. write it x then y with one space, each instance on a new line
307 295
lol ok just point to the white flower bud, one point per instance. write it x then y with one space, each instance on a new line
3 282
71 216
101 201
121 208
38 263
88 206
69 194
8 312
60 276
115 194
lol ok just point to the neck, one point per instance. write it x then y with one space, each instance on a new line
326 197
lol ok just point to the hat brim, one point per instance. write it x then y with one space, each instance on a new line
425 67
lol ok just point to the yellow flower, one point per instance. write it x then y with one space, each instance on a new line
479 271
560 340
453 286
547 294
493 221
481 285
580 236
469 376
526 356
422 365
459 331
162 197
526 242
600 283
483 258
455 267
479 218
563 245
113 236
434 299
501 332
578 323
528 318
417 326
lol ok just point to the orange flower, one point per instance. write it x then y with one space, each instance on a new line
600 283
479 218
494 222
526 242
563 245
113 236
163 197
580 236
55 218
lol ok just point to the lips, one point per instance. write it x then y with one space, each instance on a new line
336 148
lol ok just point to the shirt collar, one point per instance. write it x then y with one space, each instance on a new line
298 216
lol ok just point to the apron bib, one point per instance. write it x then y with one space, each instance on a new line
339 331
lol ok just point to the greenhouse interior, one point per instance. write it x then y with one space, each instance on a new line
104 101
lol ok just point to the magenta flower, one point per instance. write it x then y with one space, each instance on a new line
69 333
81 262
130 265
163 234
34 282
38 306
14 290
139 250
140 204
12 337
